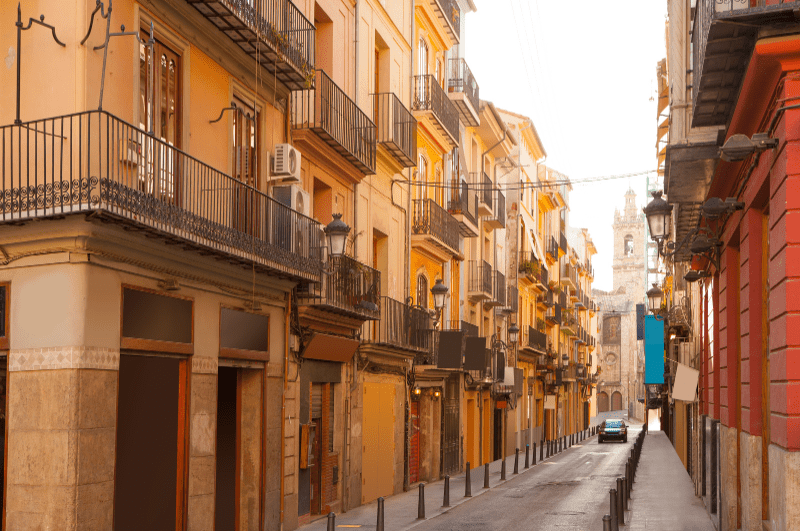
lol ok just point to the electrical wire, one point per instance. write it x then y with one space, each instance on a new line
533 185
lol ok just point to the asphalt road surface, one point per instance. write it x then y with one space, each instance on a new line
568 491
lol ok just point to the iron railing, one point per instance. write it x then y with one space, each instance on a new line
401 326
429 96
95 162
396 127
452 13
348 286
563 242
288 36
500 208
512 300
552 248
463 201
432 219
499 292
469 329
486 190
332 115
480 276
462 80
537 339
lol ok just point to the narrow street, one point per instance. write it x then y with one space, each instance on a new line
568 491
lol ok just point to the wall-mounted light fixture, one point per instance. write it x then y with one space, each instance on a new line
739 147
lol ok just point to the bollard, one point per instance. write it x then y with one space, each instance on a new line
628 479
503 470
486 475
527 456
516 460
620 496
331 521
607 522
534 453
379 527
612 494
624 495
541 450
421 508
446 500
468 484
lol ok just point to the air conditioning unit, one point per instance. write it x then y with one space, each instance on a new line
286 164
294 197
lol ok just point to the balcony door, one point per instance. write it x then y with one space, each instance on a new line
246 146
159 112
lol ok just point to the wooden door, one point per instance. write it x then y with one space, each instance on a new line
315 436
378 437
247 202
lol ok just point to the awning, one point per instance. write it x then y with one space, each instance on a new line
330 348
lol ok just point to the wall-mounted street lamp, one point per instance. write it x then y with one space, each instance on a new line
739 147
694 276
336 233
659 217
654 298
439 291
513 333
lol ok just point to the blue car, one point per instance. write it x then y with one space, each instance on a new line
613 429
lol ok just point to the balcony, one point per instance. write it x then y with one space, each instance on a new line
276 34
498 219
569 277
512 300
537 341
464 92
432 105
480 281
400 327
435 230
553 315
463 206
349 288
329 113
485 193
449 15
724 35
562 244
396 128
552 250
93 162
569 373
499 291
569 324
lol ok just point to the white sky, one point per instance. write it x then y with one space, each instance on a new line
584 71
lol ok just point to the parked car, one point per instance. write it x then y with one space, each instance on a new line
613 429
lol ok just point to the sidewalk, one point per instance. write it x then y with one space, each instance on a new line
400 510
663 495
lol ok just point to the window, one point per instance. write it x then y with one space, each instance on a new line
159 112
422 178
628 245
246 162
422 59
422 291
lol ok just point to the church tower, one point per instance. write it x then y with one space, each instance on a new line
629 246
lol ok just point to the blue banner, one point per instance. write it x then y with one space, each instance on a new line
653 350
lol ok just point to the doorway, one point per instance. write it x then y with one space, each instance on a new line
239 443
497 447
413 451
151 443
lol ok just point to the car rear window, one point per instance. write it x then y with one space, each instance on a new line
613 423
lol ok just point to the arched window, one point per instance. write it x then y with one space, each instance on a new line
628 247
422 291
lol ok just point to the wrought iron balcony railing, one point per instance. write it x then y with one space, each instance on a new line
95 162
562 244
486 190
431 219
498 289
537 340
349 287
498 218
512 300
552 248
429 96
463 201
396 128
401 326
480 277
337 120
286 35
463 82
